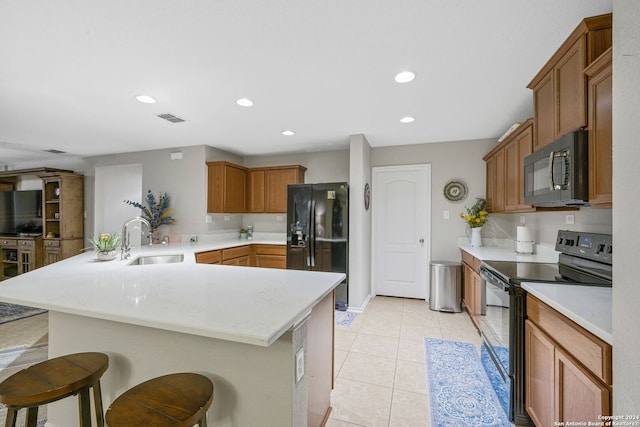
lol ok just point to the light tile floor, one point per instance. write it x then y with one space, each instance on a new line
380 363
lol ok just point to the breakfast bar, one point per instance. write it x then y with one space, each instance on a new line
264 336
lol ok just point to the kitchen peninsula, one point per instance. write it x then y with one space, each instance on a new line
264 336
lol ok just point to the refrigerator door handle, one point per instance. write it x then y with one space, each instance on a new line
312 235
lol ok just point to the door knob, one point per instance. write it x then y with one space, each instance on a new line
421 241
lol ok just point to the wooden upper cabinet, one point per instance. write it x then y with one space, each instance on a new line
276 181
559 88
505 171
236 189
490 166
226 189
268 187
599 76
256 190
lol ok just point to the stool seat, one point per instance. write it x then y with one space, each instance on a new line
176 400
53 380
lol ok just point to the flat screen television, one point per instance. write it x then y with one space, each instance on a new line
21 213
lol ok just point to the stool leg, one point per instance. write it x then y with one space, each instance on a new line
84 407
32 416
11 417
97 401
203 421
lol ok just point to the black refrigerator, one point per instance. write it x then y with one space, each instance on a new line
318 231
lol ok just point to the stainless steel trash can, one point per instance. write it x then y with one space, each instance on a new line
445 293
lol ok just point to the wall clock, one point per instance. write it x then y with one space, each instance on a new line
455 191
367 196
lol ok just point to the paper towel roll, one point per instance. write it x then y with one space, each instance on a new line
524 242
523 234
524 247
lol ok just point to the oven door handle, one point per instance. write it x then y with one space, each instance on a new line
492 279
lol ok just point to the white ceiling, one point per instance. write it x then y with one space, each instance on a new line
70 71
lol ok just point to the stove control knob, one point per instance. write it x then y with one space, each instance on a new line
610 249
570 242
601 247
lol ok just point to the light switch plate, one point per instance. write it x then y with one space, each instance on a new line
570 219
445 214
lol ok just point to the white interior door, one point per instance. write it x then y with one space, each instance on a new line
401 200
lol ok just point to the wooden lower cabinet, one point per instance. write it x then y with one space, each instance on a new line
209 257
239 255
580 396
254 255
269 256
58 249
567 369
472 287
539 383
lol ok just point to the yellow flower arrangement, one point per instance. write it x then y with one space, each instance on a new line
476 215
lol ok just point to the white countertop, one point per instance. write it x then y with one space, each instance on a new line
504 250
588 306
244 304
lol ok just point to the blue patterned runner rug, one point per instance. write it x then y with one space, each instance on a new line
459 389
345 318
11 312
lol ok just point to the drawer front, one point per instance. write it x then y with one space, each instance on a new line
591 351
8 243
271 250
271 261
471 261
210 257
236 252
25 243
51 243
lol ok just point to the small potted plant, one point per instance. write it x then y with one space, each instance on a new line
243 233
106 245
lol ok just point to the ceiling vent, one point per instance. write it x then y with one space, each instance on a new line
171 118
54 151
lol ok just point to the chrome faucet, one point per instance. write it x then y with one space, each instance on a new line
126 239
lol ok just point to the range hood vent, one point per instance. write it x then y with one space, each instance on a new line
171 118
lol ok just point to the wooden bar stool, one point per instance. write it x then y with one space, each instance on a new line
176 400
52 380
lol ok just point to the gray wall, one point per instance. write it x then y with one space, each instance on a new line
463 160
359 223
452 160
324 166
626 153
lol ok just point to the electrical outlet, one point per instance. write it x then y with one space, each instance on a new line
299 364
226 217
207 219
522 219
570 219
279 218
445 214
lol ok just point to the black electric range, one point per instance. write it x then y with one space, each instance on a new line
585 259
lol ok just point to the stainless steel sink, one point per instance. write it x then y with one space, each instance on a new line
157 259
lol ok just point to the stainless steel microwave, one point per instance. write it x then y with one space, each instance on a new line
558 174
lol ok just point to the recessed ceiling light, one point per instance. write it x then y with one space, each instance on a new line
405 76
407 119
244 102
146 99
288 132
